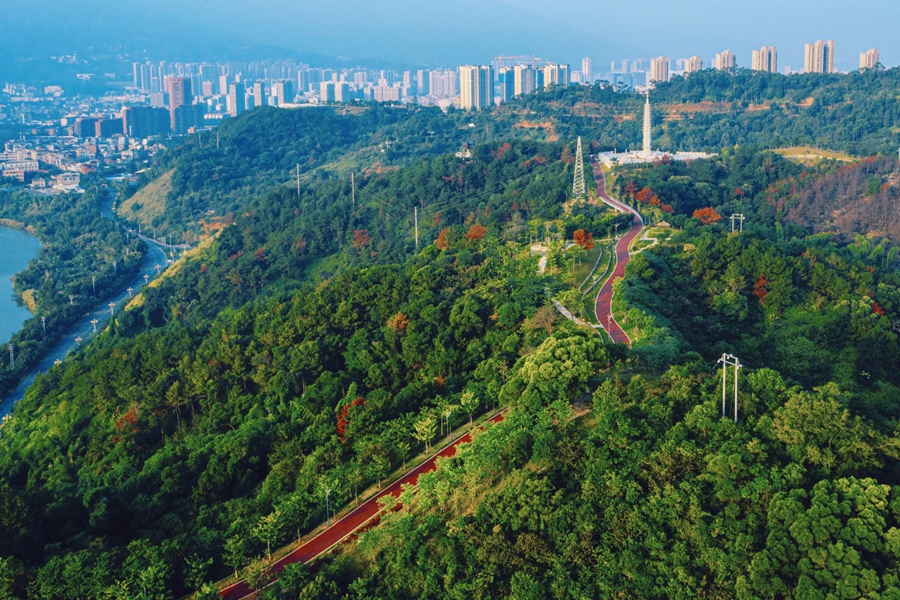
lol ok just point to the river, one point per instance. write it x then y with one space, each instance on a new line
154 261
17 248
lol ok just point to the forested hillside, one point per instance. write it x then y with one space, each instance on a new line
327 336
216 173
709 110
653 493
858 199
200 429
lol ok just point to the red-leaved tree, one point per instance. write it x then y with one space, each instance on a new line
361 239
476 232
583 239
344 417
707 215
761 287
644 195
442 241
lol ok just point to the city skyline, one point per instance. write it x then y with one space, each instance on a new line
439 35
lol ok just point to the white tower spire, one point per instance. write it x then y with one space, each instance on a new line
648 150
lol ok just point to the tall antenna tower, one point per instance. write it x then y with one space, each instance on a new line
578 184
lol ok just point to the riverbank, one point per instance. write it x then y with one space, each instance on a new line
85 259
13 224
19 248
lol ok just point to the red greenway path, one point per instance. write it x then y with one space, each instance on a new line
603 305
354 521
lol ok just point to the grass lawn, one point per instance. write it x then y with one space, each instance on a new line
573 279
806 154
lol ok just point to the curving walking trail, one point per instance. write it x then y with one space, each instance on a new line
365 514
603 304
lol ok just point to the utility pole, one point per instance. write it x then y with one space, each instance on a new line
12 356
94 323
94 283
416 216
740 220
44 325
298 180
447 414
112 306
327 511
730 360
353 189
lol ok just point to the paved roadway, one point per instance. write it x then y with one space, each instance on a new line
603 305
155 256
356 520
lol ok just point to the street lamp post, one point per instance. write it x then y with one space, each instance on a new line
327 507
78 340
94 283
94 323
146 278
129 292
447 414
157 269
112 306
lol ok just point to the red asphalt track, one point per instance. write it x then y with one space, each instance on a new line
603 305
353 521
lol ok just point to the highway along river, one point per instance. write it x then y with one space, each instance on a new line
16 249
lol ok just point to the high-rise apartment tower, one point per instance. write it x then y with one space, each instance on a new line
659 70
237 99
819 57
476 87
587 70
765 59
868 59
692 64
179 90
725 60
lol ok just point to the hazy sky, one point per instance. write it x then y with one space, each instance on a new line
449 32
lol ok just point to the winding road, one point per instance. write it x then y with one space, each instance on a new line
84 329
603 305
365 514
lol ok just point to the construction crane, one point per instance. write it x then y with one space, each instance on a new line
519 59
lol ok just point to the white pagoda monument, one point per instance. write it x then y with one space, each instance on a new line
648 125
646 154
